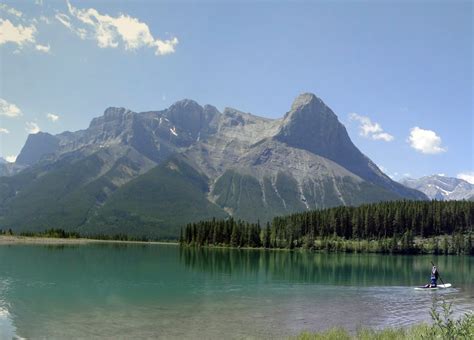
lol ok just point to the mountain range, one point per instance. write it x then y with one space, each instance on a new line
150 173
439 187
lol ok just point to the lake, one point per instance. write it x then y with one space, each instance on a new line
145 290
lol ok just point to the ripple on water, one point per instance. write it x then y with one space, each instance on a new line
7 330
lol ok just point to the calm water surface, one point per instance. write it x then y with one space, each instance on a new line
135 291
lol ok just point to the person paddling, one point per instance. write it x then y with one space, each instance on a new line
434 277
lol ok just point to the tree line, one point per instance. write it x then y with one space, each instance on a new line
396 226
61 233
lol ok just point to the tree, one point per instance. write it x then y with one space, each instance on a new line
266 236
235 236
309 241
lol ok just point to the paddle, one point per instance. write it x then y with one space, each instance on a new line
438 272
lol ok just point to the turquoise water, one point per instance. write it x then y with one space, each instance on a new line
131 290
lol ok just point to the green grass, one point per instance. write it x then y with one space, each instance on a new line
418 332
444 327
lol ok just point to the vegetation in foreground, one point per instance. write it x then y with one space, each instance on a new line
443 327
438 227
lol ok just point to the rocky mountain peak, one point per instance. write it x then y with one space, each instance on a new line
37 145
309 106
312 125
186 104
304 99
115 112
209 109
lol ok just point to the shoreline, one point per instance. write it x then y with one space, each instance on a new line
13 239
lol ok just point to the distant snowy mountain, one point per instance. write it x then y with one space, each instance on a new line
441 187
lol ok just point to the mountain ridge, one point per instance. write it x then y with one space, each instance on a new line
442 187
255 168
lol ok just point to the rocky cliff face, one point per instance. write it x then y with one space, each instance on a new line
227 164
37 146
313 126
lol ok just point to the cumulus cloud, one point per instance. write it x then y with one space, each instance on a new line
112 32
12 11
32 127
52 117
20 32
370 129
11 158
20 35
9 110
467 176
43 48
3 130
425 141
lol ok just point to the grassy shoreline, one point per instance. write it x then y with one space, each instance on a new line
16 239
444 326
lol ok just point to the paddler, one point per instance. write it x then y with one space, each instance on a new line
434 278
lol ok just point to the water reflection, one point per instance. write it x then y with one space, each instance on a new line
161 290
322 268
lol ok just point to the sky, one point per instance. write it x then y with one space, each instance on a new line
398 74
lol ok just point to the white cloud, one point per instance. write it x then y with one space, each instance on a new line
3 130
32 127
382 136
370 129
425 141
64 19
20 35
52 117
45 19
467 176
43 48
9 110
11 11
111 32
11 158
21 31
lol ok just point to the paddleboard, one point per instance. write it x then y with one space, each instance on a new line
447 285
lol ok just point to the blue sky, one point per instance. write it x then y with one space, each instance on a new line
399 74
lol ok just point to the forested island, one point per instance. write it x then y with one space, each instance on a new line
438 227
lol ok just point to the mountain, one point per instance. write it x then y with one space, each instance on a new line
151 172
8 169
36 146
442 187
